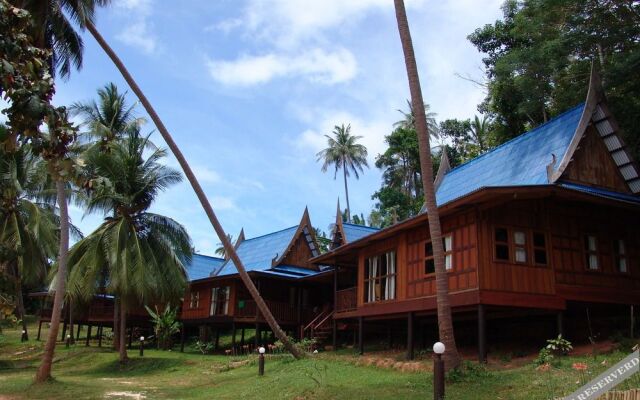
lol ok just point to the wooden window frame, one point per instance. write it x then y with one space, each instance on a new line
587 253
381 277
529 246
194 298
447 253
214 300
617 256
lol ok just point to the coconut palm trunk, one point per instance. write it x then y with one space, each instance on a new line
44 371
445 323
122 343
230 250
116 323
346 191
20 303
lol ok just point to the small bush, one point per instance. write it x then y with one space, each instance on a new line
468 371
559 346
205 347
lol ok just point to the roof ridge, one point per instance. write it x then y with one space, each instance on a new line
207 256
520 137
268 234
360 226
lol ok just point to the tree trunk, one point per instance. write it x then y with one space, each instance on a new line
70 304
229 248
124 358
445 323
116 323
44 371
346 192
20 301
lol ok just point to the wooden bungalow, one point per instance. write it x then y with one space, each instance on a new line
297 292
540 234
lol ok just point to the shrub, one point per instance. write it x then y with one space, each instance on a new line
467 371
204 347
559 346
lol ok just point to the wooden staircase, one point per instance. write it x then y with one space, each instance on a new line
320 328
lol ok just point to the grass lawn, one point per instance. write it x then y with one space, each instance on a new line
91 373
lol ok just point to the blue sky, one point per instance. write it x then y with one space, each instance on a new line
249 88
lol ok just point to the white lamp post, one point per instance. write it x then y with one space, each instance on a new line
438 371
141 346
261 361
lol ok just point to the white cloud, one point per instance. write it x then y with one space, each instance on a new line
137 31
205 174
223 203
225 26
316 65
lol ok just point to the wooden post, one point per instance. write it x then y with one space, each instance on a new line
389 337
217 342
40 329
88 335
334 333
334 325
78 331
64 331
182 338
130 337
482 334
360 338
560 323
233 338
257 336
100 328
242 337
410 352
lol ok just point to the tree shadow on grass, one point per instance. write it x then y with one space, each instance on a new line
135 367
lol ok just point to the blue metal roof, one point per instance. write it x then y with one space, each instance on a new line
258 253
202 266
354 232
601 192
520 161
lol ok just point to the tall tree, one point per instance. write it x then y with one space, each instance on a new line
409 120
445 322
141 253
538 57
28 86
28 227
251 288
343 152
220 250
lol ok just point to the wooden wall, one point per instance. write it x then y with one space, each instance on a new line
204 288
300 254
526 215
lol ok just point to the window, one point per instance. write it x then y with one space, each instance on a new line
194 300
429 262
502 244
380 277
620 253
219 301
591 252
539 248
520 246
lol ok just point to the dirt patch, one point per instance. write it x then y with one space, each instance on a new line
125 395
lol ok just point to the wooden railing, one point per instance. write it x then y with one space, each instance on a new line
346 299
282 312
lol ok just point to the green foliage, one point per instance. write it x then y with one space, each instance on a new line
306 345
545 356
205 347
323 241
467 372
538 58
165 324
559 346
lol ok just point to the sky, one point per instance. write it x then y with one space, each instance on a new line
249 88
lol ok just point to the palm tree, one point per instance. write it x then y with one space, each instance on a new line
409 120
139 254
109 119
480 131
343 152
220 250
231 252
28 226
445 323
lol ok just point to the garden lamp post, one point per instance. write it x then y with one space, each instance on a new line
438 371
23 338
68 341
261 361
141 346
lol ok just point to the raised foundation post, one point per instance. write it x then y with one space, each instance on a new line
410 352
482 334
360 334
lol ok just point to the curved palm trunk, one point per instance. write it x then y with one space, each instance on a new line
124 358
346 192
116 323
44 371
231 252
20 305
445 323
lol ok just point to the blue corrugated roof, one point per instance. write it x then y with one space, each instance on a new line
257 253
202 266
520 161
601 192
354 232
